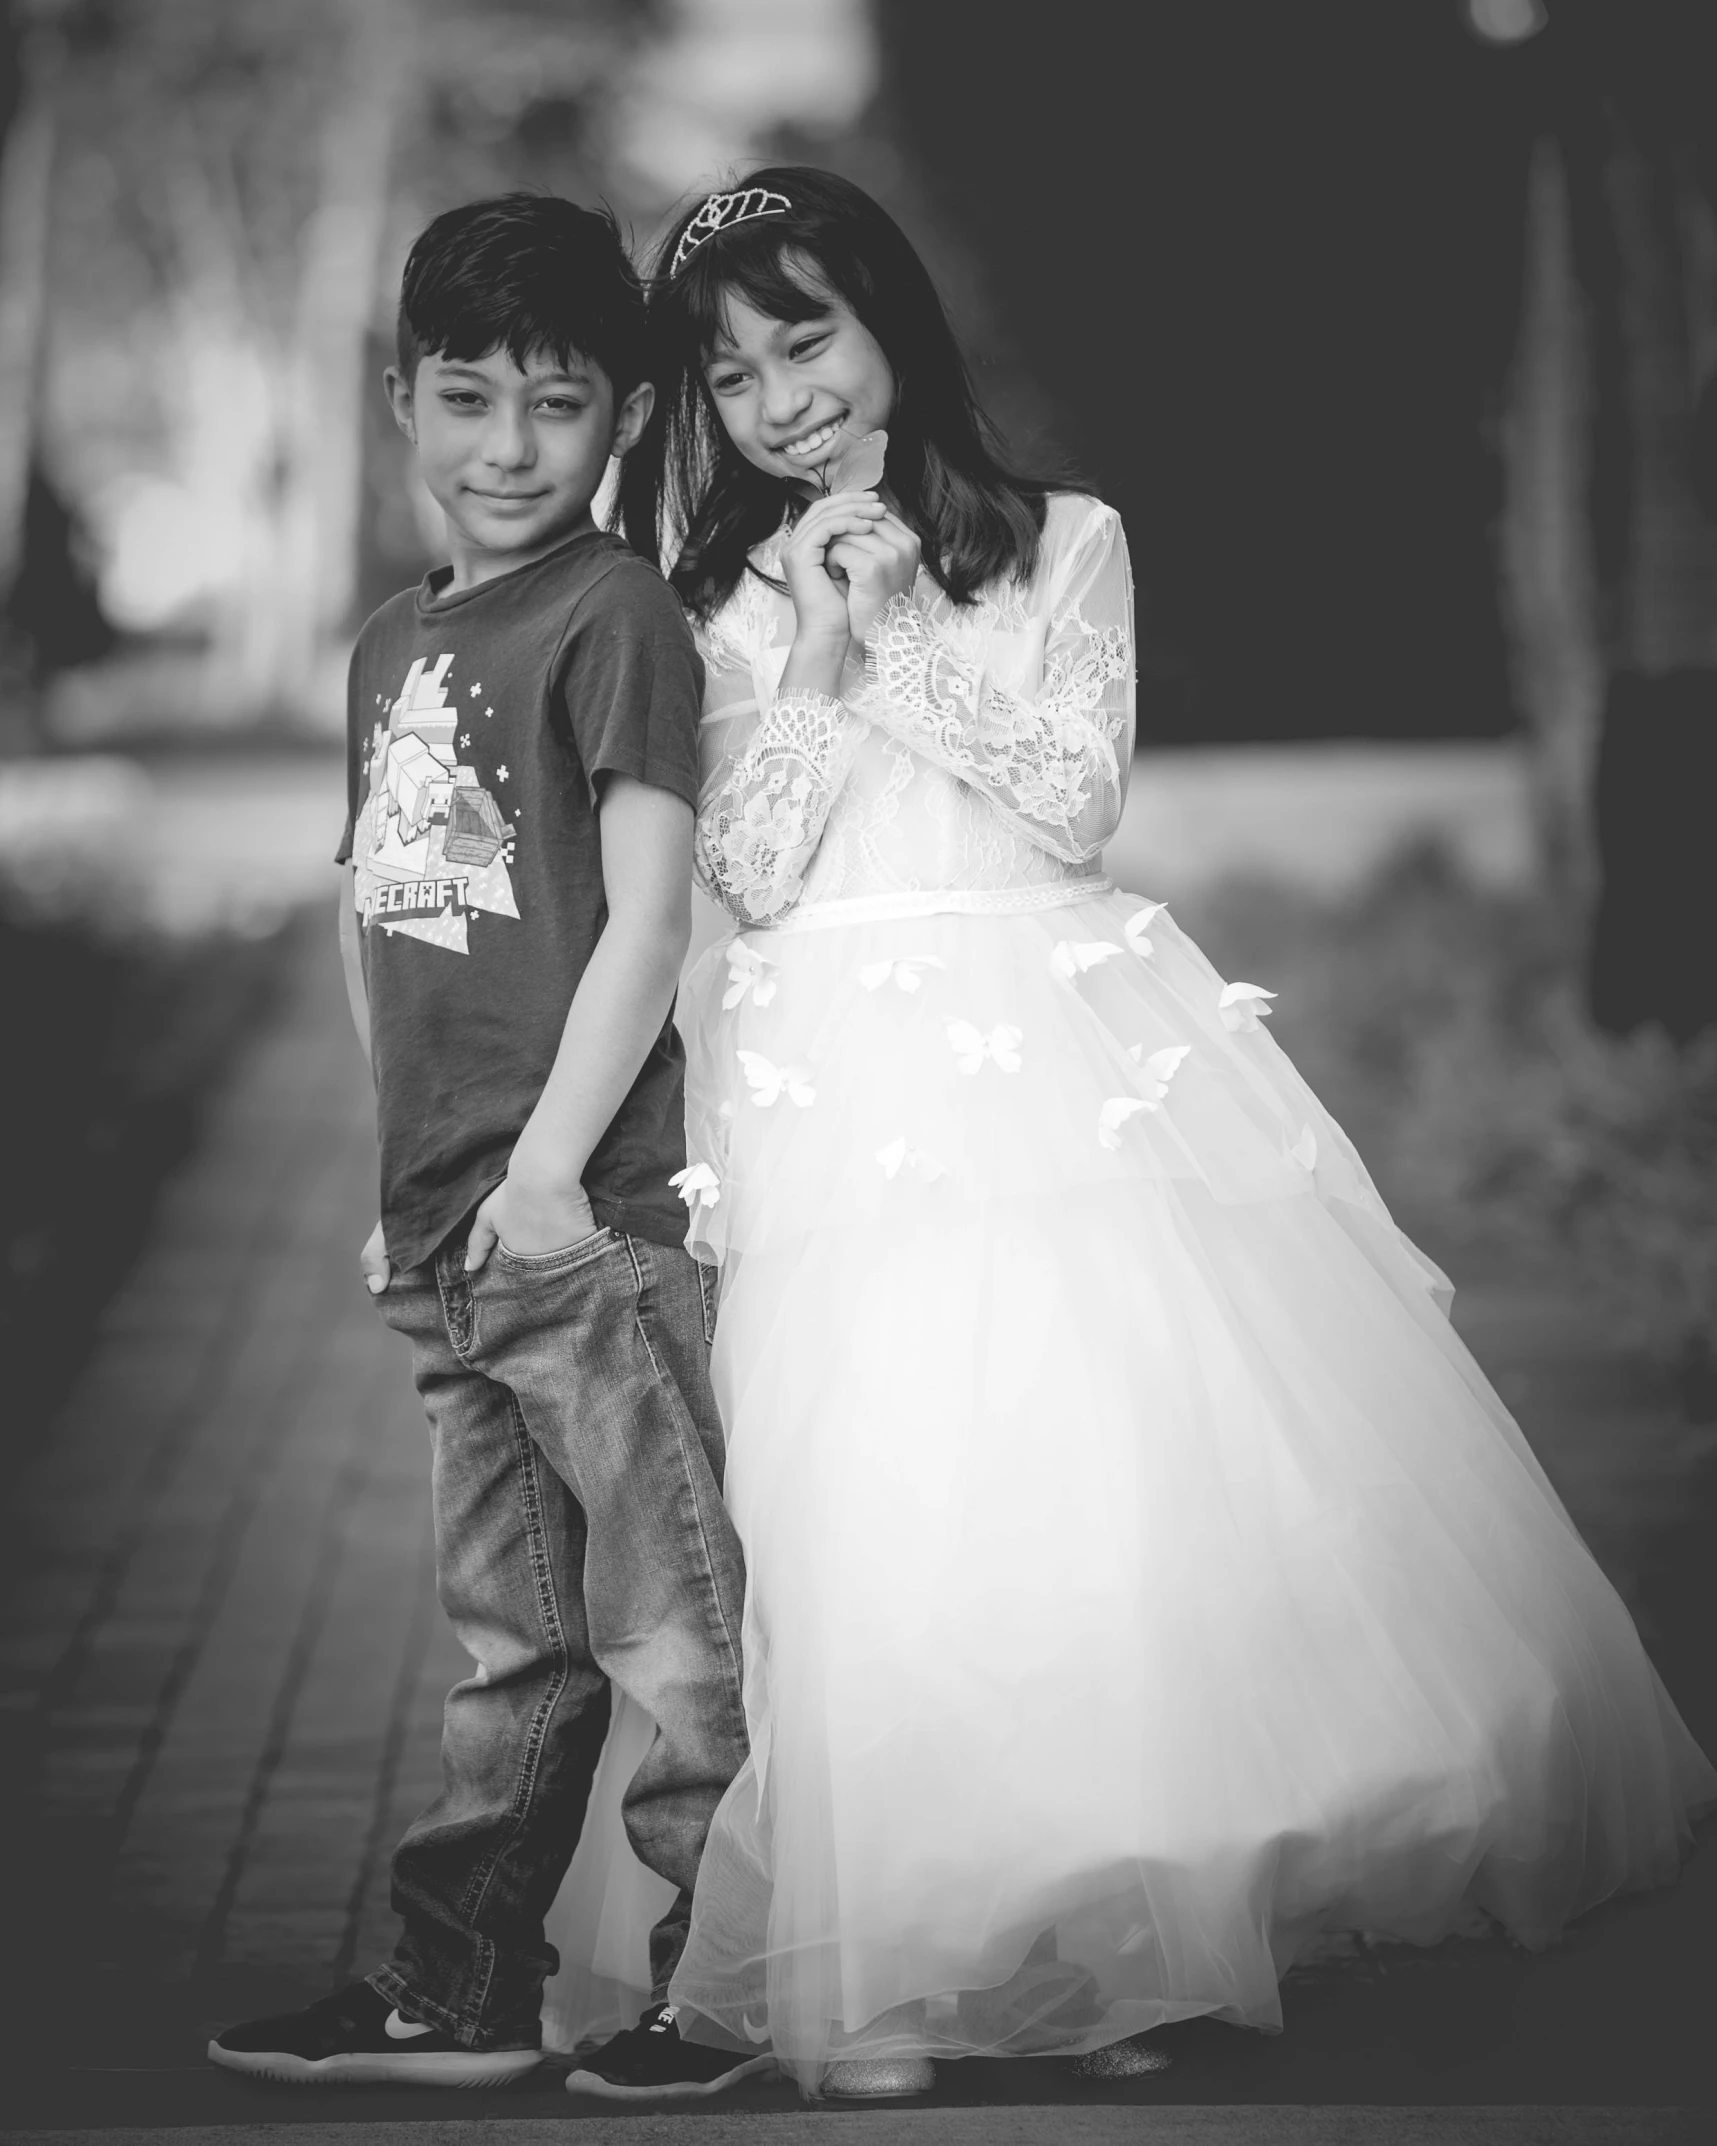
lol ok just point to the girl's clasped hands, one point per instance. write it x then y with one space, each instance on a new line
847 556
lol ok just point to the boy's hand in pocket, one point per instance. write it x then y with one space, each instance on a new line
529 1216
373 1259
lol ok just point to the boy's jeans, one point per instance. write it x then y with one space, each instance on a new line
580 1535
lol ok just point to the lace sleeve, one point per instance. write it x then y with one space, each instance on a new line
769 778
1054 763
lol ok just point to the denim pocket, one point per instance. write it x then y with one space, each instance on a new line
566 1255
709 1283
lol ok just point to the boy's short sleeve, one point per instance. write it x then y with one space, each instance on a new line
354 764
631 686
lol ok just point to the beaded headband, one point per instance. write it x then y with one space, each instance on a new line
719 212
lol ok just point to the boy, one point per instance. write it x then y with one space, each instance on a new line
522 772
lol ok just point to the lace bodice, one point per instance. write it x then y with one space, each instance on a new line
983 747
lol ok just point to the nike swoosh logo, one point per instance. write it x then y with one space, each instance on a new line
403 2030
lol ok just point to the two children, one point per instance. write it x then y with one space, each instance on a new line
522 773
1143 1577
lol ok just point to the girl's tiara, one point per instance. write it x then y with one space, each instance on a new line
719 212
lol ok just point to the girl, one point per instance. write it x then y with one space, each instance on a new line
1143 1577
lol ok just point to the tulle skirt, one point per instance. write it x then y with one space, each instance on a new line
1143 1579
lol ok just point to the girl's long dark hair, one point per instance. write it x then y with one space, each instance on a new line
977 519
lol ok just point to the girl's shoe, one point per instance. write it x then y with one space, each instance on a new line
878 2078
1130 2059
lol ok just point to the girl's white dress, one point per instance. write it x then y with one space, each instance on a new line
1143 1578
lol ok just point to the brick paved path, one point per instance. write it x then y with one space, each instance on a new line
223 1663
223 1671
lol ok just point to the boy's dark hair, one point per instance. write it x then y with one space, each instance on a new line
524 273
978 519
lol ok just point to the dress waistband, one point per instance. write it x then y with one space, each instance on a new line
939 901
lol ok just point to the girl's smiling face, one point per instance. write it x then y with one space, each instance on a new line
788 392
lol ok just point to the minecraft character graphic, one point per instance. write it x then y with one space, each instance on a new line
431 845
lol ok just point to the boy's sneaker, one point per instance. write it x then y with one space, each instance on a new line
649 2062
358 2037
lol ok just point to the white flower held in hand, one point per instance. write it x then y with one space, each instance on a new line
856 464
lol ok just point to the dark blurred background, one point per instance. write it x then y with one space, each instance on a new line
1390 329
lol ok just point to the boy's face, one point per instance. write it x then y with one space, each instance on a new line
513 459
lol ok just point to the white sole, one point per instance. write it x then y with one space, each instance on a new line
441 2067
589 2082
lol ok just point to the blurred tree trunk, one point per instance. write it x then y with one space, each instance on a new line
1654 941
1609 549
32 41
1548 578
277 423
270 327
301 592
1667 609
227 414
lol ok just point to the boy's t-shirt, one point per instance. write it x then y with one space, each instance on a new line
478 723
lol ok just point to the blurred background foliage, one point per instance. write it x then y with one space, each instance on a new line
1391 331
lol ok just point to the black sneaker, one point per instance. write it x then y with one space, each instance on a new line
649 2062
358 2037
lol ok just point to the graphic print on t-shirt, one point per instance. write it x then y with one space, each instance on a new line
431 844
